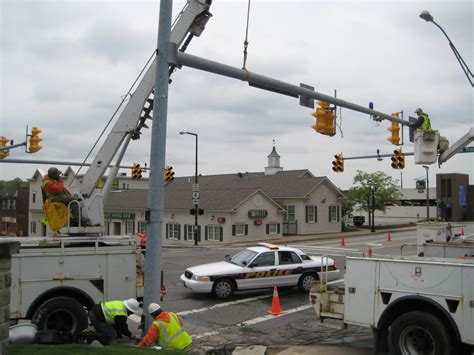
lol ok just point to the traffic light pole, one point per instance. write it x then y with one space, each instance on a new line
274 85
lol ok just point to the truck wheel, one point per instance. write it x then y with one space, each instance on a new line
223 289
61 313
418 333
306 282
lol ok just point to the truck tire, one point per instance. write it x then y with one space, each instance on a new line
61 313
223 289
306 281
419 333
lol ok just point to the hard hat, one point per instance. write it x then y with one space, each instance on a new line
132 305
153 307
54 172
418 110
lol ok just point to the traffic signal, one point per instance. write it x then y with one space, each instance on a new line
4 152
34 145
169 173
395 129
398 159
338 164
325 119
136 171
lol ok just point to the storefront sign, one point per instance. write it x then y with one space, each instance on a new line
257 213
119 215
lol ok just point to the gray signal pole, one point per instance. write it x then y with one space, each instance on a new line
157 163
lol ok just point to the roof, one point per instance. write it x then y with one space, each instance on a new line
225 192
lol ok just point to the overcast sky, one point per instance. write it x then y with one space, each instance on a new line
65 65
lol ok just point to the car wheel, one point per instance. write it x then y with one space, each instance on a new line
61 313
306 282
419 333
223 289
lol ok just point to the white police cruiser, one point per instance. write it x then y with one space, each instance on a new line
263 266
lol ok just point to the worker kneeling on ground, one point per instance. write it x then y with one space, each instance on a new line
167 330
110 318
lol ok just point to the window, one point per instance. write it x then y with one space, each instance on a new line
288 257
240 229
189 232
214 233
172 231
273 228
289 215
333 213
33 227
445 187
13 203
107 228
311 214
130 227
33 197
141 228
265 259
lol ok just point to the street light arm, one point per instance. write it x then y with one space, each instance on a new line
461 61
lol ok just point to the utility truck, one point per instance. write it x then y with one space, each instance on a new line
55 279
414 305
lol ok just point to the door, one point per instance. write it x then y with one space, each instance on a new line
260 273
290 268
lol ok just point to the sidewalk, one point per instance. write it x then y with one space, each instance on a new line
301 350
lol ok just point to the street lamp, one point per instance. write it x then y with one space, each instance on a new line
425 15
427 194
195 189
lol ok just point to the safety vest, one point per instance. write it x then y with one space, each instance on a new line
172 336
49 195
426 125
113 309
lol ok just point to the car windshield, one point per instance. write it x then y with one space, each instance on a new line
243 257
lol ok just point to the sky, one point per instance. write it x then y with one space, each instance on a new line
66 64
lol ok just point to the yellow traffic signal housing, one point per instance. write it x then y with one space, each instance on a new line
136 171
325 119
395 129
4 152
398 159
338 164
34 145
169 173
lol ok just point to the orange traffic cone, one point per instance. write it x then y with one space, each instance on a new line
370 251
343 242
462 231
389 237
276 309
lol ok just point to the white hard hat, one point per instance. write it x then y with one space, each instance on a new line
132 305
153 307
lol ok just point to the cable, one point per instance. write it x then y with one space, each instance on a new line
246 43
113 116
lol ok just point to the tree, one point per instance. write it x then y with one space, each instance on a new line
386 190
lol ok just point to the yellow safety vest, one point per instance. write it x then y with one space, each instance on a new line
172 336
426 125
50 195
113 309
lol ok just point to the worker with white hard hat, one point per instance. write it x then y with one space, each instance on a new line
110 318
166 330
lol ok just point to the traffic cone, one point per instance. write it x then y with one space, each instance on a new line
370 251
462 231
389 237
343 242
276 309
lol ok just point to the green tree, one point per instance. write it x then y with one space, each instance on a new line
360 195
15 183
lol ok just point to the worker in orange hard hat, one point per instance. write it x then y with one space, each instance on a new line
423 117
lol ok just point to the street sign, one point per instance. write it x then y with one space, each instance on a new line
195 195
195 187
467 150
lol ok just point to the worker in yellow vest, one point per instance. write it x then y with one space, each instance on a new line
166 329
424 118
110 318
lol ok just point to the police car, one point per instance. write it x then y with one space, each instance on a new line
263 266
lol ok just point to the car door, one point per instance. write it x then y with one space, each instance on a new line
260 273
290 268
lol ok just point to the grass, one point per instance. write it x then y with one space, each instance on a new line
83 350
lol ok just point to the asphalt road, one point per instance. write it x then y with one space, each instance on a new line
244 320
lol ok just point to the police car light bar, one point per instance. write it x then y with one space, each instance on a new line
269 246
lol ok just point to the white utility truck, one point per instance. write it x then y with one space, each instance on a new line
56 278
414 305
